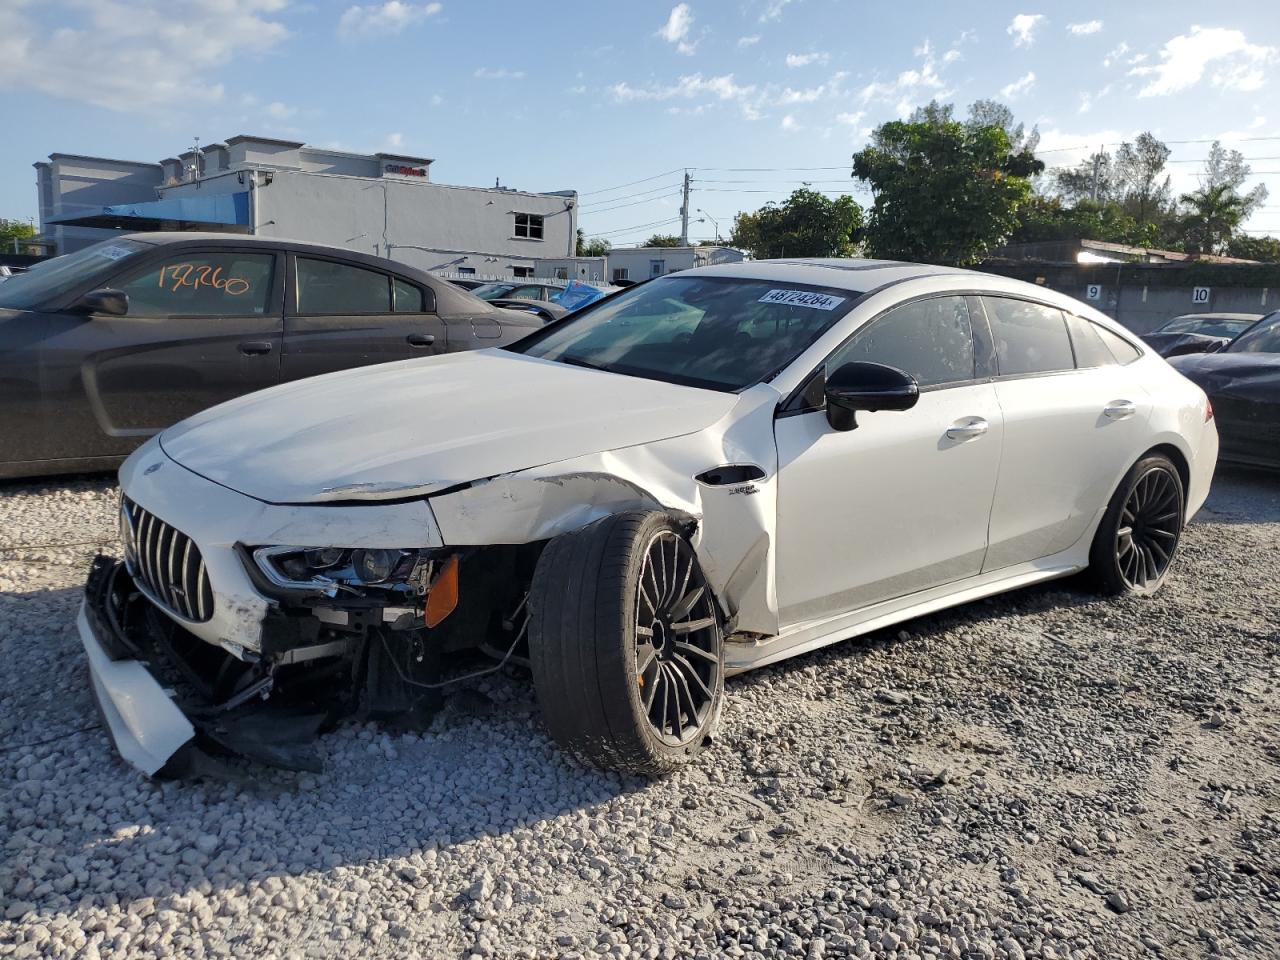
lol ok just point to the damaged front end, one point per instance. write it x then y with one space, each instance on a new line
349 633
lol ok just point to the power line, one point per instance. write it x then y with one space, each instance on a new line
634 203
638 226
591 193
1088 146
628 196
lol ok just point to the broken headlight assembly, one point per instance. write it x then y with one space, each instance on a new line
334 570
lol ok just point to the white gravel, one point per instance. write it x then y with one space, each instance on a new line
1041 775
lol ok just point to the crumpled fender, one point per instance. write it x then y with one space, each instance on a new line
734 524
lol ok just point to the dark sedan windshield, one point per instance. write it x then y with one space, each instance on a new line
715 332
1263 337
1207 326
49 278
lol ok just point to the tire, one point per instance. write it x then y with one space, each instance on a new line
1139 534
599 678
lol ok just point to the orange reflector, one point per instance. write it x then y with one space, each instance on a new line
442 597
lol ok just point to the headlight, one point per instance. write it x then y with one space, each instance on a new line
330 569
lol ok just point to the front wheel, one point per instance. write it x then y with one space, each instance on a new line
626 645
1139 533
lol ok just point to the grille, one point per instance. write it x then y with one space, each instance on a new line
165 563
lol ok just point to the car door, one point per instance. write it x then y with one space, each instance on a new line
339 315
901 503
203 325
1075 419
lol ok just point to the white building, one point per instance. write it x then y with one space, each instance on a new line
642 263
381 203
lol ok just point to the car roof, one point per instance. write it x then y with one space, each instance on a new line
851 274
1250 317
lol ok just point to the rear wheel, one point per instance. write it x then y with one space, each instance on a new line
1138 536
626 645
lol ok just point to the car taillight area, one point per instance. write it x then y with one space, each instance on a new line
1208 409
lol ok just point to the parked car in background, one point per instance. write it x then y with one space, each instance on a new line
1199 332
462 283
701 475
517 290
1243 383
102 348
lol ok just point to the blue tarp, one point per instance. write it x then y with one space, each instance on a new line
577 294
222 208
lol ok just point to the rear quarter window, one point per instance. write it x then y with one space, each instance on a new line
1030 337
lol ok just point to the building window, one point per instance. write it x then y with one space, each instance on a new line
656 267
562 273
522 271
466 271
529 226
619 273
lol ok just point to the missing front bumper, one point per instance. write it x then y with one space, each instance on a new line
158 714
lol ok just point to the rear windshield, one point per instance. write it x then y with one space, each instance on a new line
1263 337
1208 326
715 332
50 278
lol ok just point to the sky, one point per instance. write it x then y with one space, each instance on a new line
753 97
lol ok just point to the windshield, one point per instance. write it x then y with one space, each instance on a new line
493 291
1207 326
50 277
715 332
1263 337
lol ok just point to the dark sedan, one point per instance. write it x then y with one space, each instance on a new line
102 348
1199 332
1243 383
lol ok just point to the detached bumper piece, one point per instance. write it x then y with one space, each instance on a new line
168 697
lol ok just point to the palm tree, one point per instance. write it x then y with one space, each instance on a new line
1213 216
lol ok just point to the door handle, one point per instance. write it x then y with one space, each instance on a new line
970 428
1120 409
420 339
255 347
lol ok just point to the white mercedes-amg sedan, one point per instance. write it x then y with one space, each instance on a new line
693 477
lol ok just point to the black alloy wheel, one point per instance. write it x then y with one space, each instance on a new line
1150 524
678 663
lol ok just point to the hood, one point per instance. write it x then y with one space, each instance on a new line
420 426
1247 375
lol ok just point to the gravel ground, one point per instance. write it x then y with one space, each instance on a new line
1040 775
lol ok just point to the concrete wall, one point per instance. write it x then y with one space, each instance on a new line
639 261
1144 296
71 184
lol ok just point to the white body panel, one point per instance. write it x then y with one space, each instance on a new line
841 530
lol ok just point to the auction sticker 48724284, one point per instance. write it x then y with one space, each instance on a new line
802 298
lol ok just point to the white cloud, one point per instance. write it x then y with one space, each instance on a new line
749 41
499 73
688 87
789 123
278 111
850 119
1185 59
383 18
1086 28
773 10
436 99
1023 28
134 56
910 87
394 141
1020 86
804 59
1064 148
952 55
676 29
808 95
1114 55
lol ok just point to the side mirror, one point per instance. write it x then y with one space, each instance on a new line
867 386
114 303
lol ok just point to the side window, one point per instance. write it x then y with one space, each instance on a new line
1087 341
930 339
526 292
335 288
1120 348
1030 337
230 284
408 298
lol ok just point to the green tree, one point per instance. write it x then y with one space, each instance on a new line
806 224
1265 249
1133 177
662 240
1212 216
1043 219
11 230
595 247
945 192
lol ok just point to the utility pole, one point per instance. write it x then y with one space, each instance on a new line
684 213
1097 163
